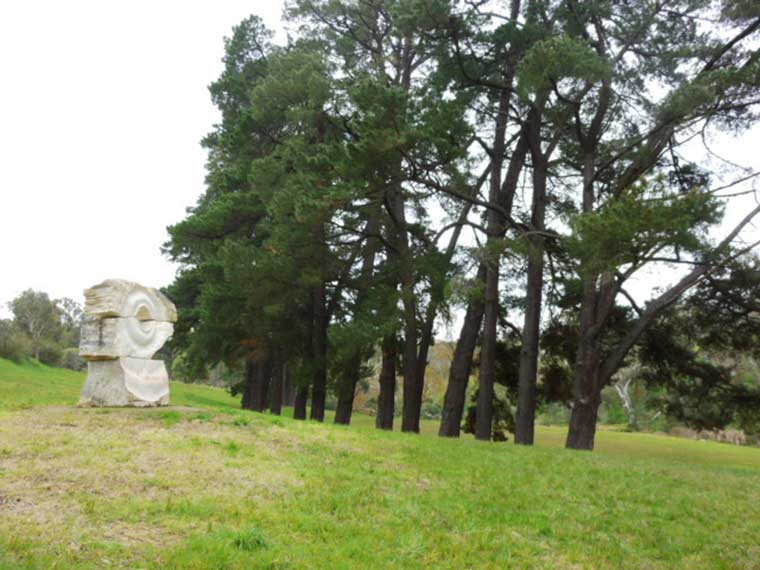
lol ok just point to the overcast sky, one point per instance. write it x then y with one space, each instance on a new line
102 108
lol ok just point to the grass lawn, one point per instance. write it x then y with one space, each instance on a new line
205 485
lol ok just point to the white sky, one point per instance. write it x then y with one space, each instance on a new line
102 108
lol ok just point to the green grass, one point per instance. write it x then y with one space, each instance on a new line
205 485
32 384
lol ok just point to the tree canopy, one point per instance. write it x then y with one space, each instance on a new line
398 162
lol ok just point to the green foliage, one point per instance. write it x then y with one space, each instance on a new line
14 345
646 219
704 352
552 60
503 421
39 319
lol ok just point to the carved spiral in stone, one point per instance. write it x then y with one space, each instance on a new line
125 319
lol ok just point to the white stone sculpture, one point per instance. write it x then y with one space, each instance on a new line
126 324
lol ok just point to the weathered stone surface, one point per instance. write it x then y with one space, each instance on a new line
122 336
121 298
126 325
126 382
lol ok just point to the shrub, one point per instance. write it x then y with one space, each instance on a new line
431 410
503 419
51 353
70 359
14 345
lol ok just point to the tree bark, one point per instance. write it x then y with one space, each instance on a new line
276 385
461 365
528 369
319 340
249 384
410 414
585 399
494 227
346 391
299 405
348 383
582 431
261 386
289 388
386 401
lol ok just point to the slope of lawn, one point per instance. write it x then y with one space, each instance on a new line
204 485
31 384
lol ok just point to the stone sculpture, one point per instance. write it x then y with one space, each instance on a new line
125 325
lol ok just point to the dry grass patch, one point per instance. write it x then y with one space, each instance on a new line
129 477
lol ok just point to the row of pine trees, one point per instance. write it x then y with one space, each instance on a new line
397 163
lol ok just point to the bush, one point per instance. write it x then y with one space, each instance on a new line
431 410
503 419
70 359
50 353
554 414
14 345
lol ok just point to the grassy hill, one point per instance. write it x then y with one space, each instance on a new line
203 484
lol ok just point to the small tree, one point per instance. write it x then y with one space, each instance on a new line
37 317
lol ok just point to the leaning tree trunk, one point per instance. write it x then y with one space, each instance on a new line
461 365
436 298
346 391
386 401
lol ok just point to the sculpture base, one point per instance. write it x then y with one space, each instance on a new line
135 382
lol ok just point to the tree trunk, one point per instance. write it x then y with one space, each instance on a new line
348 383
261 387
249 384
528 370
276 385
299 405
289 388
484 413
410 414
319 386
346 391
386 401
495 227
583 423
461 365
586 392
